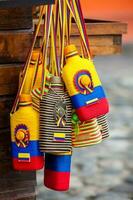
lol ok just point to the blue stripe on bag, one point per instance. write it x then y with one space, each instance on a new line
80 100
58 163
32 149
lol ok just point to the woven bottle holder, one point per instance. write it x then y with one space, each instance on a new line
55 119
88 134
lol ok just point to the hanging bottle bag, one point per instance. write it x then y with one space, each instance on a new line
85 133
85 49
55 119
25 121
81 79
25 137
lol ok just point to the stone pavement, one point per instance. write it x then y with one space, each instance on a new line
105 171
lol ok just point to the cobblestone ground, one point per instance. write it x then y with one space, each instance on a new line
105 171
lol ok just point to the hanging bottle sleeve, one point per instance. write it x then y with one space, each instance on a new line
25 137
83 83
102 120
57 166
55 119
24 128
86 134
55 116
25 124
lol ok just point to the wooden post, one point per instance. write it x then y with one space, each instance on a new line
16 34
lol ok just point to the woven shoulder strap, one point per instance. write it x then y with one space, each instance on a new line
76 11
28 62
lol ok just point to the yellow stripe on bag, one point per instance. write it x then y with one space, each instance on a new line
62 154
92 101
86 144
23 155
59 135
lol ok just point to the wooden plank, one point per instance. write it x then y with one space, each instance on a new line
99 45
99 40
9 84
15 45
106 50
28 198
14 18
97 27
19 3
102 28
5 108
105 37
20 194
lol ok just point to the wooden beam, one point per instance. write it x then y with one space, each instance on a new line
15 45
96 27
14 18
9 84
5 108
20 3
102 28
99 44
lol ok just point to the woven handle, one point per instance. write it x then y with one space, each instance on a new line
76 11
14 108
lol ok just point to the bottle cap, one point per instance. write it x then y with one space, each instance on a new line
70 50
25 98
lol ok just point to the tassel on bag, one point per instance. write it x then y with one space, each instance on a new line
55 119
84 86
25 137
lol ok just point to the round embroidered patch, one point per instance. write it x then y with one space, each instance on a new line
22 135
83 82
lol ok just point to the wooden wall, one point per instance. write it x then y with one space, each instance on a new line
15 40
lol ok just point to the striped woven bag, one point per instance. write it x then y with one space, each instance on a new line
103 122
86 133
55 119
